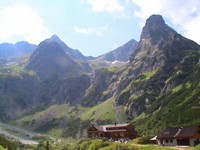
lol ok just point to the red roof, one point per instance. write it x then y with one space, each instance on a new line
104 128
99 128
116 125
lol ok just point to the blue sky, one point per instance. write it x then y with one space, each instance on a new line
93 26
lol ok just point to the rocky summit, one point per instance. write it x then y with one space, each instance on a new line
59 91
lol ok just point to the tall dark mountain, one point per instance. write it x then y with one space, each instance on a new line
159 45
8 50
51 76
50 59
121 53
160 69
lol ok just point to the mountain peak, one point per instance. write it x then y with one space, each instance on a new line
155 20
155 30
55 38
74 53
161 43
49 59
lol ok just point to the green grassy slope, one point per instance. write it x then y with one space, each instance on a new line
66 121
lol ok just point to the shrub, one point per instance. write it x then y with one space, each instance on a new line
197 147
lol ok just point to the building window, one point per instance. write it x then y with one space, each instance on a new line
101 135
121 134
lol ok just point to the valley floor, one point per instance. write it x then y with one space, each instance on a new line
24 137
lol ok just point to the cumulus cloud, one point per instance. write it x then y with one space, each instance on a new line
184 15
97 30
111 6
21 21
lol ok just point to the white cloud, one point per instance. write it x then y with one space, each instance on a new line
184 15
111 6
20 21
147 7
97 30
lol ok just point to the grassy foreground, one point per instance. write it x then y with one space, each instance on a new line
1 148
103 144
97 144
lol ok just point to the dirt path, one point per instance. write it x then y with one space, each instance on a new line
172 147
181 147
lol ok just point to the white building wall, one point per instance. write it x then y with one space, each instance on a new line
167 142
174 142
159 142
192 142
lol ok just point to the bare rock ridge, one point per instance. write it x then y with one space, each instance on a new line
159 44
154 28
121 53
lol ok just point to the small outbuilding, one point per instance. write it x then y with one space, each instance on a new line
185 135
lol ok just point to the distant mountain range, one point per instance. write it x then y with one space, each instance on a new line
8 51
57 90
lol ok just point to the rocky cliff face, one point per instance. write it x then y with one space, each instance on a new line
163 61
159 45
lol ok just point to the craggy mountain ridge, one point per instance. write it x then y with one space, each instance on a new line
115 58
54 90
162 69
121 53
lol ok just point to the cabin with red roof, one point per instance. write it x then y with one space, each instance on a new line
114 131
173 136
